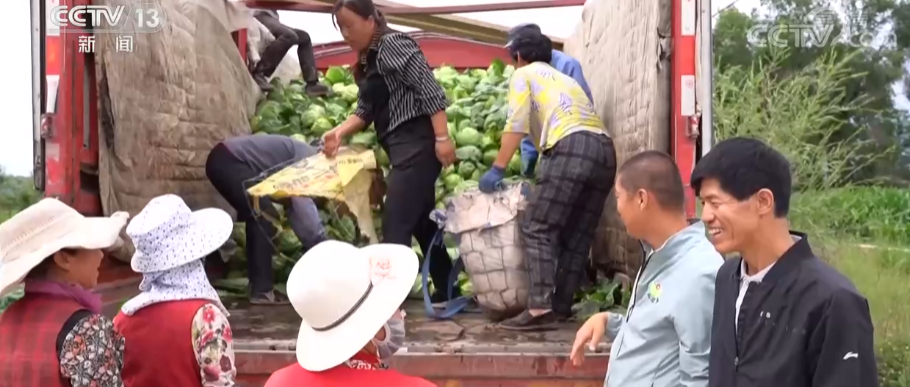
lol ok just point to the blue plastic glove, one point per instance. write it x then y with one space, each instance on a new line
529 157
492 180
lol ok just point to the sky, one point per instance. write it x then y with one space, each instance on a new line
16 110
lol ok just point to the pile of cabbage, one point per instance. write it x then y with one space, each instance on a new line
476 113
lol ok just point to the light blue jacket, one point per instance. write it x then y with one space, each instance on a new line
665 338
570 66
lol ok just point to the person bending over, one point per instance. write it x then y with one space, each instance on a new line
230 166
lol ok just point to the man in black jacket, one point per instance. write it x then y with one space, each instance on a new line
782 316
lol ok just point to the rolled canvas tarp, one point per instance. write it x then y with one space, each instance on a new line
624 49
166 104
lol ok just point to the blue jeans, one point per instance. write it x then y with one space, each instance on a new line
529 156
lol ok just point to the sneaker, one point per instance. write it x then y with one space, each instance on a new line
526 322
270 298
316 90
262 82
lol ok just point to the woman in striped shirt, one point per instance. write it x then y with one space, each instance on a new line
405 104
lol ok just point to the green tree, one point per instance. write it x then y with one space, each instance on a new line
16 194
875 65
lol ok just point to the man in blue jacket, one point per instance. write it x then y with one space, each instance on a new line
562 62
664 338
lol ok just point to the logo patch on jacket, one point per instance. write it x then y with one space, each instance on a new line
654 290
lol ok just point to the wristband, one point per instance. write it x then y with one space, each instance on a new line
442 139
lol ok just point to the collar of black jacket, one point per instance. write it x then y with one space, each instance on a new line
799 252
374 45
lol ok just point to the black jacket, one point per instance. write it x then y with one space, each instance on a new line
804 325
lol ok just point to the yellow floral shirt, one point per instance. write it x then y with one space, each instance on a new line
549 105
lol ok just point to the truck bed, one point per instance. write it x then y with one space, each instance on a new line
465 351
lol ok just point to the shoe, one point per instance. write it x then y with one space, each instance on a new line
262 82
271 298
526 322
316 90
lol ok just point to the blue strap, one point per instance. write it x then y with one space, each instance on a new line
457 267
453 306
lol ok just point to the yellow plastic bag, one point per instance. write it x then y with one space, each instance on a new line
345 178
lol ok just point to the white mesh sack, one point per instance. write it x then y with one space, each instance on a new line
485 227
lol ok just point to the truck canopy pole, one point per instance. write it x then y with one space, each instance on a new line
319 7
37 36
706 58
431 19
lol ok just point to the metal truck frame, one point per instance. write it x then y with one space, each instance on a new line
65 131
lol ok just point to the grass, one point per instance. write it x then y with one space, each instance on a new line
839 222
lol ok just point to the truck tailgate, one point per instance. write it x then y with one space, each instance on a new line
468 351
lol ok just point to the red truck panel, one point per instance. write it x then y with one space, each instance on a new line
684 125
72 136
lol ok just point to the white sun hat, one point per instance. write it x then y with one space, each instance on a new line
167 234
345 295
39 231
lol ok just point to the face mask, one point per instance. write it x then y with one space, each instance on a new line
394 339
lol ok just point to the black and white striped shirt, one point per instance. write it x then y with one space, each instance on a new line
413 91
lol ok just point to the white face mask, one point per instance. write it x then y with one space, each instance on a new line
394 339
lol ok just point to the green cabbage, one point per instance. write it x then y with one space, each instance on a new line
468 136
365 139
466 169
311 115
336 75
489 157
452 181
321 126
468 153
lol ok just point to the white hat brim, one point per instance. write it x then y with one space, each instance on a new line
319 351
209 229
90 234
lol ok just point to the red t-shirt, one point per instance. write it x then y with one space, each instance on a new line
343 376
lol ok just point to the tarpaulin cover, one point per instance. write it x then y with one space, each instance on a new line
345 178
166 104
624 49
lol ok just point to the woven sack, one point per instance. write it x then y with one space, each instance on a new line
485 227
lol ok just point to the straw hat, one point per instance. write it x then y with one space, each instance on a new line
167 234
345 295
45 228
